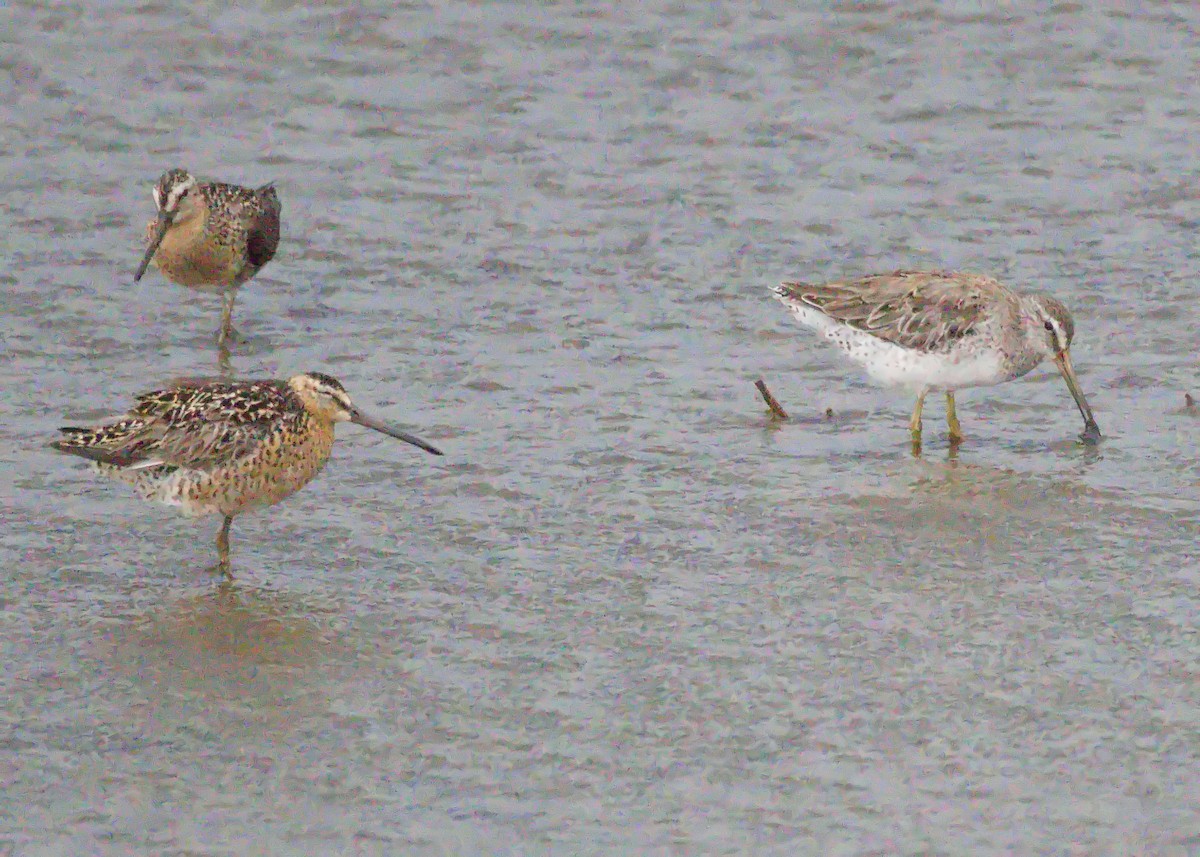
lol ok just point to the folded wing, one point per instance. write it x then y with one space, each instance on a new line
921 310
196 427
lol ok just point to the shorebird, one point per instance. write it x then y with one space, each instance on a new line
211 236
934 330
224 447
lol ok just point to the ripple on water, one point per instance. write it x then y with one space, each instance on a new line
627 612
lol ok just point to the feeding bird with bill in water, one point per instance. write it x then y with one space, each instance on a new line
933 330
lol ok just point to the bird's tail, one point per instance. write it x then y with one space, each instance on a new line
789 292
114 444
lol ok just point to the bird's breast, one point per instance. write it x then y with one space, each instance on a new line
284 465
280 466
191 257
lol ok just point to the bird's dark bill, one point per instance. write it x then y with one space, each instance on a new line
160 229
359 418
1091 430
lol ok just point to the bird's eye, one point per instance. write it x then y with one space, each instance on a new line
1049 326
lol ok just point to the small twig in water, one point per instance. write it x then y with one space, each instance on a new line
1188 400
774 405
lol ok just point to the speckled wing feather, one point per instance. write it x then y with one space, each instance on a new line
114 443
249 214
262 229
921 310
196 426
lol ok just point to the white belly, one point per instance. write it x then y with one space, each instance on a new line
894 366
163 485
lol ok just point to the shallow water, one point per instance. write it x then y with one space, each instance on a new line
626 613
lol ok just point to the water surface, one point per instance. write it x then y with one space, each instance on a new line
626 613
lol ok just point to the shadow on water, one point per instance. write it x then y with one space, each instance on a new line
627 614
951 475
231 655
946 492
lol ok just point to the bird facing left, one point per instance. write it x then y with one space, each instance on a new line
225 447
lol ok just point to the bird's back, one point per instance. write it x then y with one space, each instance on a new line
926 311
210 446
245 220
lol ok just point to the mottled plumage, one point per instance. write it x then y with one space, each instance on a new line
217 447
936 330
210 235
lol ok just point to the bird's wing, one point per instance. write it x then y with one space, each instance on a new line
262 227
206 444
122 443
198 425
923 310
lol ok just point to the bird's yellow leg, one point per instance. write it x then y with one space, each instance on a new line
914 425
956 434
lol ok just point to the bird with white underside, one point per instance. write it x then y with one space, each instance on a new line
934 330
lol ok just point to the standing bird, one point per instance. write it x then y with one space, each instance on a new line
212 236
209 446
933 330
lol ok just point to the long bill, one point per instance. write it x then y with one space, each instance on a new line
1091 431
160 229
359 418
